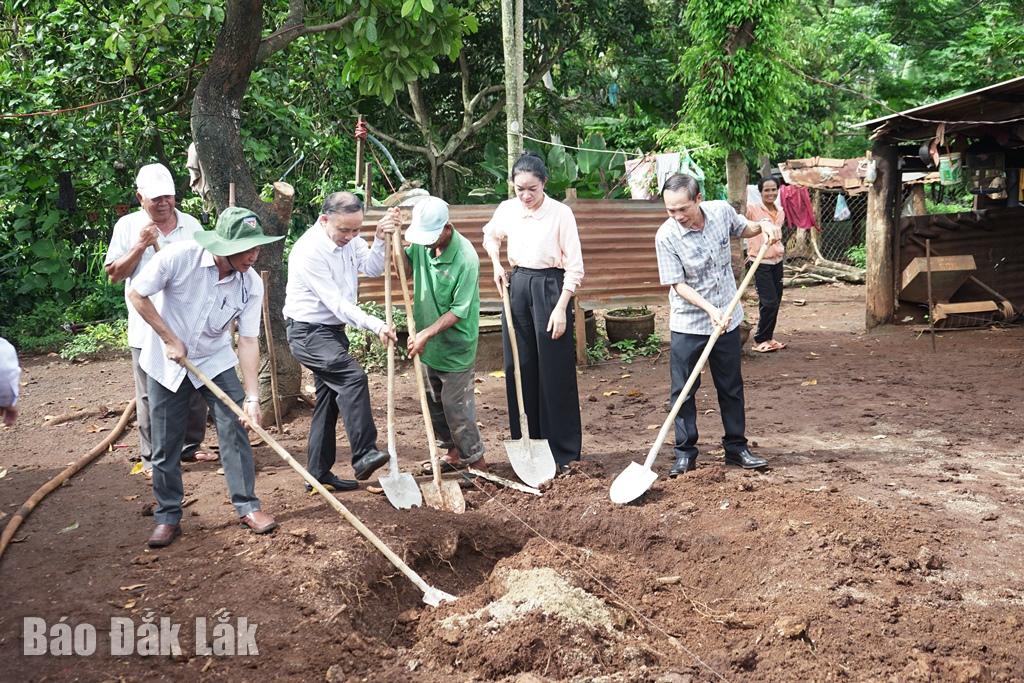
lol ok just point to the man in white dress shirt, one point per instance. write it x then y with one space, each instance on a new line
135 240
204 286
320 301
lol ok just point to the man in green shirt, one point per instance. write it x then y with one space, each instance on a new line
446 308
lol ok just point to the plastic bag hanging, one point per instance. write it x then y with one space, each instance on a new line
842 212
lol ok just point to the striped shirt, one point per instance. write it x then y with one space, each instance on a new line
126 236
198 306
323 279
545 238
702 260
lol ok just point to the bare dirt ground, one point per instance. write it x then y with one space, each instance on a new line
885 544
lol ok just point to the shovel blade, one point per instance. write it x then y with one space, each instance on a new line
448 496
401 490
634 482
531 459
435 596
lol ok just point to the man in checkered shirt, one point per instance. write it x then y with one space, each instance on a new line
695 261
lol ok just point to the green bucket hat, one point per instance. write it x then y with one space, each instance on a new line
237 230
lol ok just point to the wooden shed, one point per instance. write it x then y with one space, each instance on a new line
976 138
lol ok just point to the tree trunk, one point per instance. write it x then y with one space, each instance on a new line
879 276
216 130
736 173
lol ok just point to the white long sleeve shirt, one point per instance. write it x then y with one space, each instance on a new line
10 373
323 280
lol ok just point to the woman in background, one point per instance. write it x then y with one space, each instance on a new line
768 278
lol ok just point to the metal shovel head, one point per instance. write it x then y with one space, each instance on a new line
448 496
401 490
634 482
531 459
435 596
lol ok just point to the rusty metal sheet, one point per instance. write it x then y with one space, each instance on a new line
617 237
821 173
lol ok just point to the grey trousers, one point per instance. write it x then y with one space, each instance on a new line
195 425
168 410
453 412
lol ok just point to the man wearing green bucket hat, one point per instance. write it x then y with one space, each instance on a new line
203 286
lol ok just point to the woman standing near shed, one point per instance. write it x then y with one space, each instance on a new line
768 278
547 267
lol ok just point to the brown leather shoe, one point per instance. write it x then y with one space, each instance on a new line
259 521
163 535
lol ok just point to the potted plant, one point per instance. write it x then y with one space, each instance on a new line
632 322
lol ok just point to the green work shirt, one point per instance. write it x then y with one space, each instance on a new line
449 282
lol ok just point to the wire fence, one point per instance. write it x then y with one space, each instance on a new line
842 219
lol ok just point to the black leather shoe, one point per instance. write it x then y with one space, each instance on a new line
334 483
746 460
682 465
366 465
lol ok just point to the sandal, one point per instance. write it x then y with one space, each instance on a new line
763 347
776 345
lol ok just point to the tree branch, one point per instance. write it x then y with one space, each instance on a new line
281 38
396 142
419 109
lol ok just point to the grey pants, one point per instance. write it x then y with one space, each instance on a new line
453 412
168 410
195 426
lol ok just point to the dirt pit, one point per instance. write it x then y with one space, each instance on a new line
882 545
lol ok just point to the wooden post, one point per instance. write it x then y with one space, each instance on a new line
879 277
360 143
265 276
368 187
580 328
231 194
917 200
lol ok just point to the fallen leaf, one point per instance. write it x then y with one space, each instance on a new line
497 373
133 587
131 498
809 382
92 429
3 473
129 604
609 393
625 376
136 468
880 436
634 393
68 528
653 426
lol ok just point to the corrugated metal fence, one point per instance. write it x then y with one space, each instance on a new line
618 251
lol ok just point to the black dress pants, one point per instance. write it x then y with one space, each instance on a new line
341 387
768 281
548 365
725 371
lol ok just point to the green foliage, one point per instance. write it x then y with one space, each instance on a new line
598 351
365 346
97 339
732 72
38 330
857 255
630 349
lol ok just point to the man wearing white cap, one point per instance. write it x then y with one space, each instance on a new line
446 276
136 239
320 301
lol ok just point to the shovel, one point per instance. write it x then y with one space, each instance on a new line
400 489
636 479
432 596
531 459
439 494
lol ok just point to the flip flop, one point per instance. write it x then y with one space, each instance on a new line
776 345
763 347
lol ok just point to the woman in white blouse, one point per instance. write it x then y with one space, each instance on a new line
547 267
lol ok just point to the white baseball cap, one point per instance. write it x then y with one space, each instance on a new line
154 180
429 217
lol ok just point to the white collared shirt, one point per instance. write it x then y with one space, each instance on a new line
545 238
126 236
198 307
10 373
323 279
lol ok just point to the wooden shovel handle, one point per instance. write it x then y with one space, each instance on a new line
389 318
695 373
435 464
515 360
311 480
